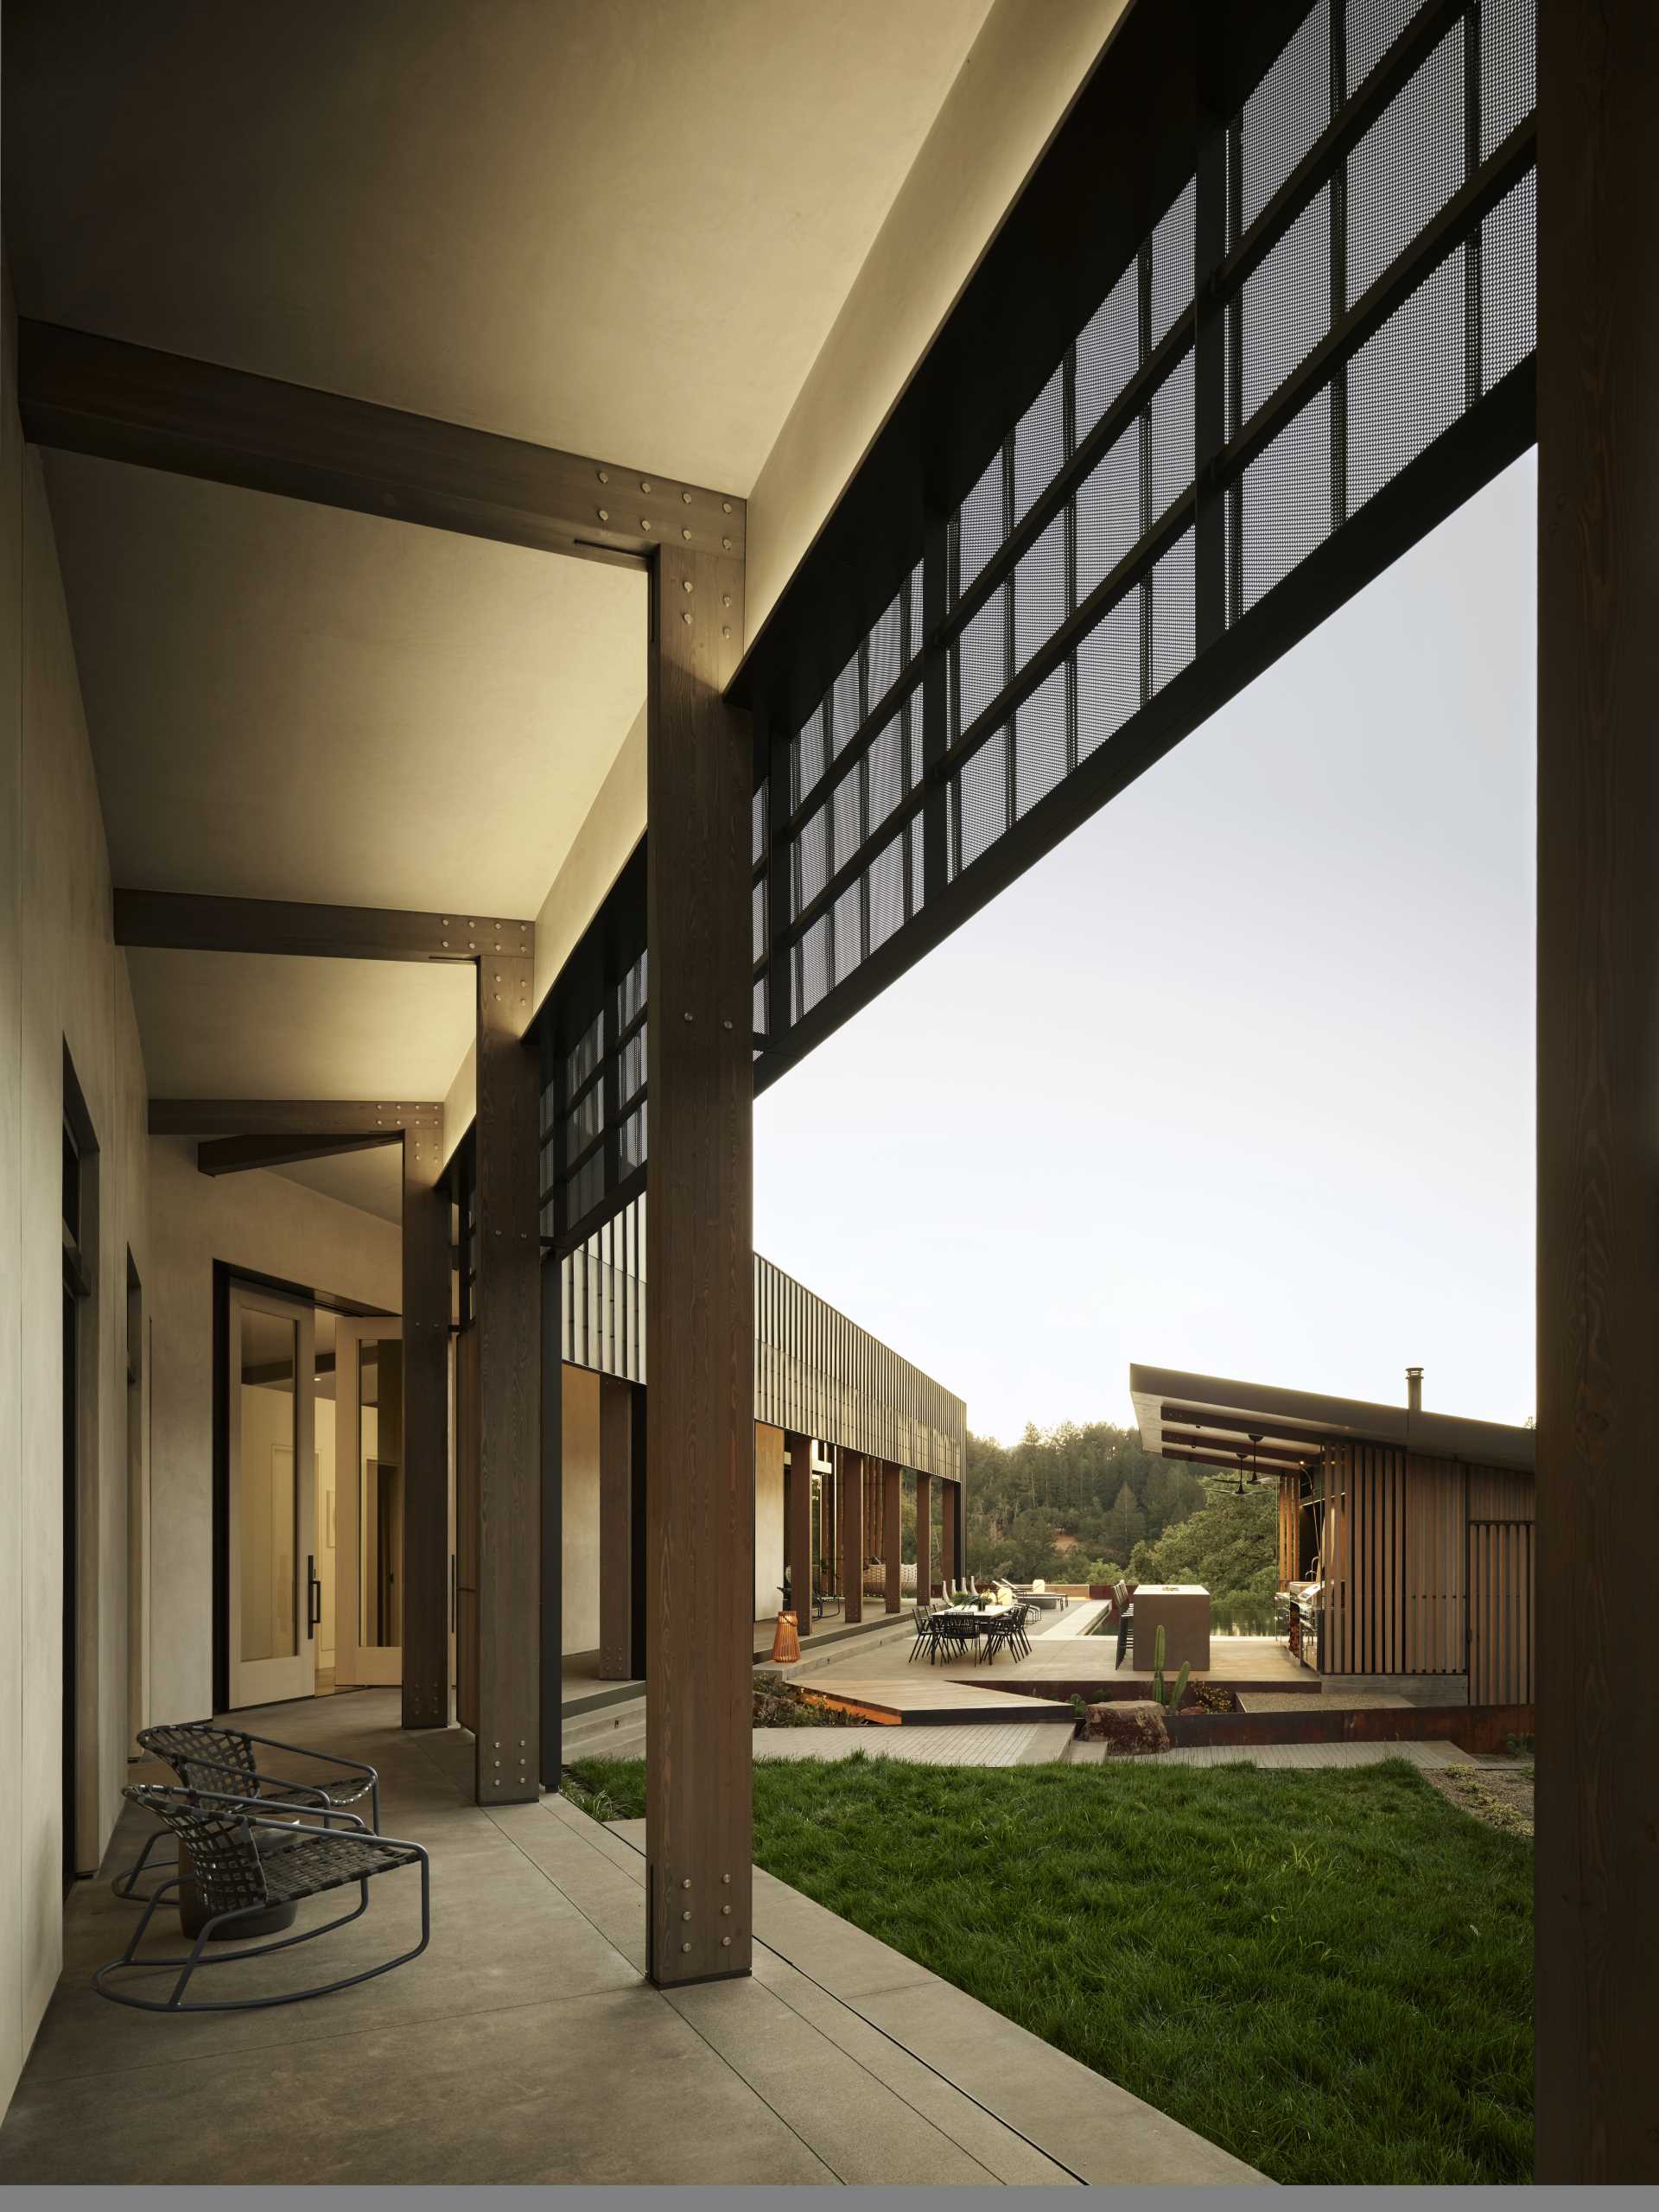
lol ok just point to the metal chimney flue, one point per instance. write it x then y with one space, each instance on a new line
1415 1389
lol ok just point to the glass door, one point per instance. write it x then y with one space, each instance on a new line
369 1490
272 1498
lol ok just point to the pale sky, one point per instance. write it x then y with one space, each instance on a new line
1240 1079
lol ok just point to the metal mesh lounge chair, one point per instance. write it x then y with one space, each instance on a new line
207 1756
245 1860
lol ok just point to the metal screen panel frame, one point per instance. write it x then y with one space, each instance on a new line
1323 346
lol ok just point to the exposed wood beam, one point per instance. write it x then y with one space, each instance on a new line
1176 1439
893 1547
232 1155
1281 1432
700 1266
182 921
924 1538
508 1295
1232 1465
1596 1903
850 1475
87 394
302 1117
426 1276
797 1525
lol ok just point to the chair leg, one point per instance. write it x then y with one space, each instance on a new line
121 1885
176 2003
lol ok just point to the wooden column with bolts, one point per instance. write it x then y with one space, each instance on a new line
893 1532
425 1564
509 1408
616 1531
949 1563
699 1265
850 1468
924 1538
798 1526
829 1521
1596 1931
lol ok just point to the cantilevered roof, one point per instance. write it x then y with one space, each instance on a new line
1208 1418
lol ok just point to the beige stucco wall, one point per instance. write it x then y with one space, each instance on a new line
580 1511
61 982
273 1227
1020 76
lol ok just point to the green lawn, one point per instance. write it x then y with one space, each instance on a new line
1330 1974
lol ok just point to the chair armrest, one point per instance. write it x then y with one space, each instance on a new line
326 1758
259 1810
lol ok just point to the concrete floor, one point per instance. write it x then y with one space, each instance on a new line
525 2046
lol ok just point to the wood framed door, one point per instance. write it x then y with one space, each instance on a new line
369 1495
273 1497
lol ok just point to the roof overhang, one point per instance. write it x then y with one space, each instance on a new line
1211 1420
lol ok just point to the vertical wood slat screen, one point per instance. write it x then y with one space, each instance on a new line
1289 1508
1399 1529
1501 1600
815 1371
1435 1513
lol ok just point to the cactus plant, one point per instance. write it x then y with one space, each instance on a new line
1181 1686
1158 1666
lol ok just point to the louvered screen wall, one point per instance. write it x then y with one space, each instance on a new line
815 1370
1427 1569
1349 275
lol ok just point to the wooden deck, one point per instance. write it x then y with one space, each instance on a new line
928 1695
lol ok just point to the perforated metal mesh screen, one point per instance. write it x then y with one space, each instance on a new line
592 1033
1349 275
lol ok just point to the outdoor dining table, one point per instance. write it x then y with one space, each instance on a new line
974 1619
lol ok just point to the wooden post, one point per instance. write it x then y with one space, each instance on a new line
616 1532
893 1531
798 1526
829 1519
949 1563
552 1499
924 1538
1596 1855
426 1420
700 1324
509 1294
849 1469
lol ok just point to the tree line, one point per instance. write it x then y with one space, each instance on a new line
1152 1519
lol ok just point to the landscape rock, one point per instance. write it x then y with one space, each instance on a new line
1129 1727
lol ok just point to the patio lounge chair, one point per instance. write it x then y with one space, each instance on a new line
206 1756
241 1878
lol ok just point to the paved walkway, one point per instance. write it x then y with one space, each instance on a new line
525 2046
1284 1754
1033 1743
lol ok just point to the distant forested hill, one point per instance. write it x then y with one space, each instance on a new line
1154 1518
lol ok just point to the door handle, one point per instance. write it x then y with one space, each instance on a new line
312 1597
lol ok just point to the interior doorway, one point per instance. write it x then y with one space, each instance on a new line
308 1497
273 1497
367 1501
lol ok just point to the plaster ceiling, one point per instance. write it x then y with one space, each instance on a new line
373 1180
623 229
289 702
236 1025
